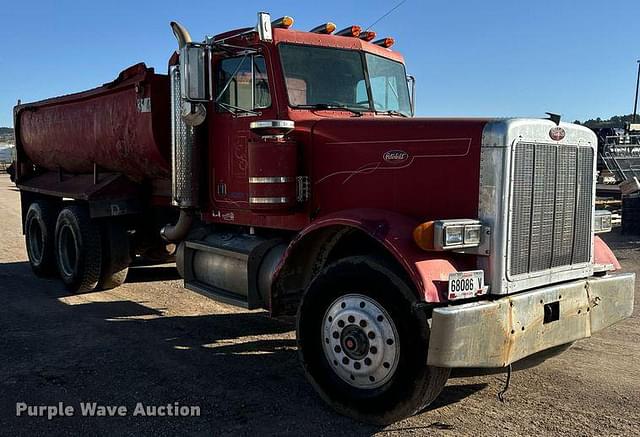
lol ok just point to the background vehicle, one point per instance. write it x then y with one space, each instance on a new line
300 182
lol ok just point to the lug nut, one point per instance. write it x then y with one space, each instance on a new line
338 349
345 360
357 365
373 350
367 361
363 323
371 335
351 319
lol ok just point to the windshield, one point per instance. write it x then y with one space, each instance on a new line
329 77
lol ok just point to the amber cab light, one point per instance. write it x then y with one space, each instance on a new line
353 31
283 22
326 28
385 42
368 35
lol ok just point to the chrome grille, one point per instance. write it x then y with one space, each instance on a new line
552 201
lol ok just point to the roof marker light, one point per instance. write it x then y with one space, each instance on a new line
385 42
283 22
367 35
326 28
353 31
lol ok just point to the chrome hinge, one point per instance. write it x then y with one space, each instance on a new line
303 188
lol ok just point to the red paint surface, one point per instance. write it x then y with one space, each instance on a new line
102 126
269 159
602 254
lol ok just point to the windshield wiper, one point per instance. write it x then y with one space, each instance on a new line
392 112
330 106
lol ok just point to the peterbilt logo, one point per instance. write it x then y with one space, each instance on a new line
557 133
395 156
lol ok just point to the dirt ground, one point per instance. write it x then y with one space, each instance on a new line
154 342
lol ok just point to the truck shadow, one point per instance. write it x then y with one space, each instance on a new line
240 368
152 274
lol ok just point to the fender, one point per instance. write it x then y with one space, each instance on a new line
602 254
427 270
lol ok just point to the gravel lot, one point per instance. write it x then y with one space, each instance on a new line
152 341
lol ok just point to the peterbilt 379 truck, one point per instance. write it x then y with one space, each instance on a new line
290 173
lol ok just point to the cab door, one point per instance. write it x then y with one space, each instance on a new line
242 95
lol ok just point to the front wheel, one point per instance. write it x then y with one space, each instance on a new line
362 346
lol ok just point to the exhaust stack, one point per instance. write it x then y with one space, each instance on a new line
184 151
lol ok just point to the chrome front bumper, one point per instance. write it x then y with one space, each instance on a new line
499 332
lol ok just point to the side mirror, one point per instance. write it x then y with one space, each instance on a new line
194 73
264 27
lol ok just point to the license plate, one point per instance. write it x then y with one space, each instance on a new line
463 285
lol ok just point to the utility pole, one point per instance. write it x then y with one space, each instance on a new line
635 103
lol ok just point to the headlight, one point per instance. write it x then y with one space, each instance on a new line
472 234
602 222
448 234
453 235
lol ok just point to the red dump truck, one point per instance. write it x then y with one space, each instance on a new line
289 172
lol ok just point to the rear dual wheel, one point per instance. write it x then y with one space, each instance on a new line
78 244
39 229
90 254
362 345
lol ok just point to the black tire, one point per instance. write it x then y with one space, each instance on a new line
39 230
78 249
407 389
116 254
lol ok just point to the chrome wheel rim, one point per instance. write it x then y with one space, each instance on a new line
360 341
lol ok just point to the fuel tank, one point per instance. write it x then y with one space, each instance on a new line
122 126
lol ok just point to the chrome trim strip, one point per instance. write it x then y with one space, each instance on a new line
280 124
271 180
268 200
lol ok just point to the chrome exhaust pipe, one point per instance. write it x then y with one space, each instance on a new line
181 34
184 173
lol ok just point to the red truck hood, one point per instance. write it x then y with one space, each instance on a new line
421 167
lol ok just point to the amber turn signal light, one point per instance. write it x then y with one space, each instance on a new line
423 236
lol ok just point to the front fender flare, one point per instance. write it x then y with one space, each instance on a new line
428 271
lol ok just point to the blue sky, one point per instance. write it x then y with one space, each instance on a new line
471 58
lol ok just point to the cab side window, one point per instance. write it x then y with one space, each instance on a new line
242 83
